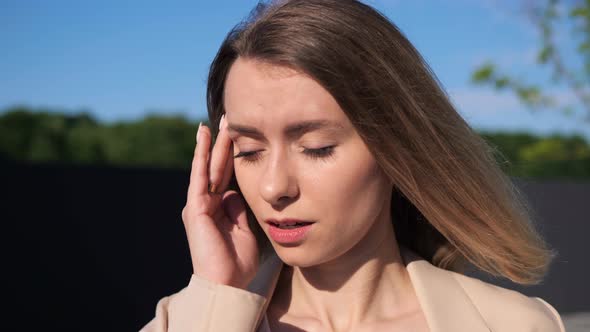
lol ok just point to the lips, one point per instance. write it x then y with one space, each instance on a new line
289 231
288 222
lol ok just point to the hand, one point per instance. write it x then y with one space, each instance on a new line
223 249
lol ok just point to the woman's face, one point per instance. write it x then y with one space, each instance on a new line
324 174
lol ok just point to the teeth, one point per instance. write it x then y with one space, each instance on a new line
289 226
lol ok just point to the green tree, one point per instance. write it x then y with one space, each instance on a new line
51 136
17 126
169 141
556 157
166 141
546 15
530 156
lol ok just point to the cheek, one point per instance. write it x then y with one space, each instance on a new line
244 177
240 174
351 191
247 178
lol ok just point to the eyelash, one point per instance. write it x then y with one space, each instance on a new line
251 157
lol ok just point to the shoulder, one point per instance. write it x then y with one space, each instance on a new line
508 310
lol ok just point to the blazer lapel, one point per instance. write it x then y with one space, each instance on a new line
264 284
445 304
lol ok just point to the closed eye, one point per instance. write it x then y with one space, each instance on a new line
250 157
319 153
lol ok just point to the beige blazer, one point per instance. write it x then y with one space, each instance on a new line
450 302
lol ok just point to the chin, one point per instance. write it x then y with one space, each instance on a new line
295 256
301 257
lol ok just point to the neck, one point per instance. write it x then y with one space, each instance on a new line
367 284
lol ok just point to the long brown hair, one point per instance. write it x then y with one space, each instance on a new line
452 204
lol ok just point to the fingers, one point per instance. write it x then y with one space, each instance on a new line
199 178
219 155
228 171
235 208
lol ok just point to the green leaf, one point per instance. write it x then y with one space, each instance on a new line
584 47
529 95
580 12
483 73
545 54
502 82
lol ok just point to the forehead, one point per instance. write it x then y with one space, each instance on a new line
259 93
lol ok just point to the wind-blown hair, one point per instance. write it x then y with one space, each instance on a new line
452 203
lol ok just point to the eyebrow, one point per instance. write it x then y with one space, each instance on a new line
292 131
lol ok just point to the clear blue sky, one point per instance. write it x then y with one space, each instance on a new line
121 59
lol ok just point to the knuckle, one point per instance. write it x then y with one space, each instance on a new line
193 210
185 213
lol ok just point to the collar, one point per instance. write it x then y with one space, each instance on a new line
445 304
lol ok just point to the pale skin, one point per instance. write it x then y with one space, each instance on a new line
347 274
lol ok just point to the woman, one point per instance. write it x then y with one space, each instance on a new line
359 192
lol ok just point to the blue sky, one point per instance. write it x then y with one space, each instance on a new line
123 59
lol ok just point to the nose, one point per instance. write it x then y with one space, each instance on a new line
278 185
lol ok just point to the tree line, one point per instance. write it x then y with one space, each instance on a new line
168 141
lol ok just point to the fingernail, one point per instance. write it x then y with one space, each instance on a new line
221 121
199 130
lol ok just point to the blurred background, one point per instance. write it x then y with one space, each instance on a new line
100 103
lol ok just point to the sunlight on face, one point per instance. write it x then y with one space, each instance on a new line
298 156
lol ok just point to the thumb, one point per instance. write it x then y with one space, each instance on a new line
235 208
